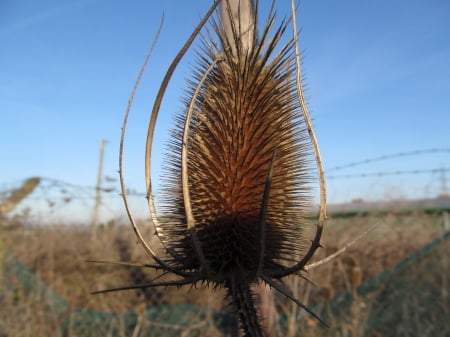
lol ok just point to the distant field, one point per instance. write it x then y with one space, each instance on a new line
57 254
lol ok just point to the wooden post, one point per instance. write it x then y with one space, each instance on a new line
98 189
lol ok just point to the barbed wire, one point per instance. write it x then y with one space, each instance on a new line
388 173
88 191
64 187
53 197
390 156
56 195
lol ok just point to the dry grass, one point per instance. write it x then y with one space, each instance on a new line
396 236
58 255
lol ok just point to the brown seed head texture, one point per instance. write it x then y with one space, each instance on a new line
246 111
236 191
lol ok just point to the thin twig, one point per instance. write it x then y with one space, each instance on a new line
137 327
342 250
125 264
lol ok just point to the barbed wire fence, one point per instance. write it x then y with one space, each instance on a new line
53 200
415 174
391 156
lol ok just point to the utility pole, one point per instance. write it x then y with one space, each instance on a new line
443 179
98 189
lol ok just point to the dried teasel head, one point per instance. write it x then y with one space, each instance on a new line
237 186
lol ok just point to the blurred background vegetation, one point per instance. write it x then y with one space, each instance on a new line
393 282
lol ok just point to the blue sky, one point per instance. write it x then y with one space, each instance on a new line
377 75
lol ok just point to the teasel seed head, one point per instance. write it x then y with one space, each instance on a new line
236 192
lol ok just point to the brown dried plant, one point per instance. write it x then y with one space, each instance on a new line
17 195
236 198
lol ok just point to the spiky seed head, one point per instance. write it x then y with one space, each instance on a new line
246 110
237 178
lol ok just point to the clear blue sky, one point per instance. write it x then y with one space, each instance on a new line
377 73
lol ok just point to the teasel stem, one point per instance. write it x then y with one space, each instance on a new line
243 303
